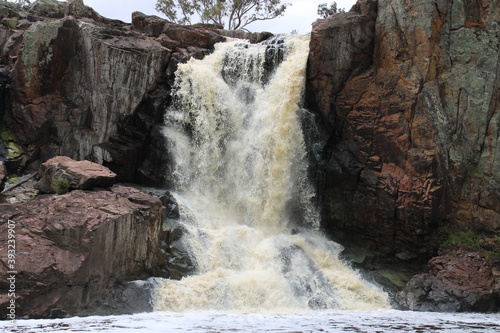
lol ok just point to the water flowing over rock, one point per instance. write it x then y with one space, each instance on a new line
73 250
246 214
409 93
406 150
88 87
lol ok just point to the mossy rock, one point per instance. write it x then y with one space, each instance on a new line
14 150
11 22
355 254
398 278
16 155
61 185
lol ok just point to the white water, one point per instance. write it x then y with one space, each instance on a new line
246 205
317 321
249 262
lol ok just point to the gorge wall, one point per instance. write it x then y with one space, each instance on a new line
88 87
408 93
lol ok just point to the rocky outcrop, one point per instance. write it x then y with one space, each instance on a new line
81 175
75 252
409 94
88 87
341 47
455 281
75 78
410 98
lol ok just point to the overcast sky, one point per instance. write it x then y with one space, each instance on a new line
298 17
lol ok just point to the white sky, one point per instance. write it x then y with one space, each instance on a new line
298 17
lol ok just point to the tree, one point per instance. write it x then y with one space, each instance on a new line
324 11
21 2
232 14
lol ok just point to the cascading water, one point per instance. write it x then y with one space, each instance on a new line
240 174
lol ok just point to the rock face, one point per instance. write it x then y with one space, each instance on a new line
455 281
3 175
73 250
88 87
411 100
82 175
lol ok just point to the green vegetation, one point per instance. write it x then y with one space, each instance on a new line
12 179
324 11
489 247
14 150
465 238
11 22
232 14
60 185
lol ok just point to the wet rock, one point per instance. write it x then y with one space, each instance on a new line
135 296
73 249
82 175
456 281
179 262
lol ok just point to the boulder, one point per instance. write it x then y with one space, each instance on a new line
456 281
73 250
62 171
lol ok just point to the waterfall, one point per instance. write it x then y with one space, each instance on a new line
239 171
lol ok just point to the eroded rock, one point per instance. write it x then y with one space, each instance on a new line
456 281
73 249
81 175
410 99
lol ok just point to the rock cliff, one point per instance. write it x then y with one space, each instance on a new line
87 87
74 251
410 94
413 108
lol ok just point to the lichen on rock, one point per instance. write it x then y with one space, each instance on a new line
37 41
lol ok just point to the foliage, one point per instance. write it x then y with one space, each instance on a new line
476 241
324 11
463 237
21 2
12 179
60 185
232 14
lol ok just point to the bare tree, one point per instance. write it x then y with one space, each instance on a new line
232 14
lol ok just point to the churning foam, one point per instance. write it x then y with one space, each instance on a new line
239 167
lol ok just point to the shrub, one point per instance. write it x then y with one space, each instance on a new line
60 185
464 237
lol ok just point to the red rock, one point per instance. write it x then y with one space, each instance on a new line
458 280
83 175
412 143
72 250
